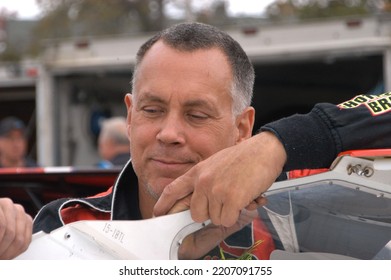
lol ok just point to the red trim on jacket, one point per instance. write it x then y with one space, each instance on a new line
80 212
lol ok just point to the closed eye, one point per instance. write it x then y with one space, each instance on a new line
152 111
197 116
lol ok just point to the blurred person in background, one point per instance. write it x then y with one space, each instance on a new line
13 144
113 143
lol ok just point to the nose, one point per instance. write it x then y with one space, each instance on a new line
171 130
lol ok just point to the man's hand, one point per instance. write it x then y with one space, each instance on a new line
219 187
15 229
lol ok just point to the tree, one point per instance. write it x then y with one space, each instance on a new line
11 30
306 9
67 18
79 18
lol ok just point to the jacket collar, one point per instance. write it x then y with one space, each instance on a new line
125 202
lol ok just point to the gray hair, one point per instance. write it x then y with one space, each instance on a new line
115 129
194 36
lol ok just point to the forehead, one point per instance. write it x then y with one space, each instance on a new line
168 70
14 133
208 66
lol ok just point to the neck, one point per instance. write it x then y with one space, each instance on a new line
146 203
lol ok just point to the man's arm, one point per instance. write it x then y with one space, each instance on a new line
315 139
231 179
15 229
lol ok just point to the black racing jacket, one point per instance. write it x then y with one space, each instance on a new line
315 139
121 203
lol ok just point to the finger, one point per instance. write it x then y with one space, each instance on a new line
178 189
232 207
256 203
3 224
28 232
22 234
252 206
199 206
8 225
24 230
261 201
181 205
214 208
229 215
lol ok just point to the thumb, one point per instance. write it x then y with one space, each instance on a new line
177 190
181 205
256 203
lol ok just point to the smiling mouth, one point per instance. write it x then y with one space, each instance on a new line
171 162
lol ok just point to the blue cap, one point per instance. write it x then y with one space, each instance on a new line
11 123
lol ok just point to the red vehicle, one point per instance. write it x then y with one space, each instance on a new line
34 187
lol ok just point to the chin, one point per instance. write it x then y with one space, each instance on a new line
158 186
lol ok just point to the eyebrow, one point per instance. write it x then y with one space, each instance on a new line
199 103
150 97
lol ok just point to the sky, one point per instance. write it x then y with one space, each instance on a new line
27 9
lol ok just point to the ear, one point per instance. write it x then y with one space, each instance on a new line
245 124
129 104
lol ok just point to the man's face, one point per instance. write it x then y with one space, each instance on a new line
180 113
13 145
